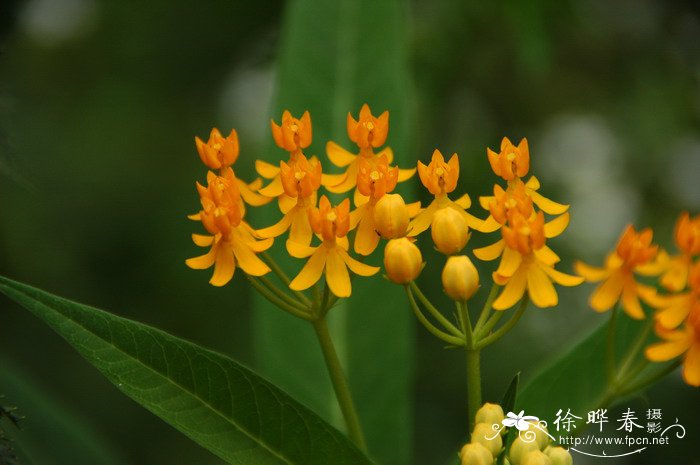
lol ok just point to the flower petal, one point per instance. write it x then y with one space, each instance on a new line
348 180
422 222
250 196
366 238
203 261
224 267
337 275
556 226
300 230
276 229
691 366
298 250
248 261
513 291
338 155
274 189
510 261
358 267
266 170
311 273
547 255
562 278
202 240
540 288
607 293
490 252
405 174
546 205
630 300
464 202
663 351
590 273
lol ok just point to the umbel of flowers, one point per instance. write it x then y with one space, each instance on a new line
332 241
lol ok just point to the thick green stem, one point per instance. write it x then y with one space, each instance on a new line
611 357
340 384
636 348
473 385
651 379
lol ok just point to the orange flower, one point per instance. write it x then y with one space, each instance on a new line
231 239
440 178
511 162
686 342
687 238
300 180
293 134
332 224
673 309
368 132
527 263
635 253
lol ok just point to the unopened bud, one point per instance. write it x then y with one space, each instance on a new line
449 231
490 414
559 456
488 437
460 279
535 457
391 216
519 449
403 261
475 454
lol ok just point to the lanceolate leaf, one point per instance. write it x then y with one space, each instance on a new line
335 56
218 403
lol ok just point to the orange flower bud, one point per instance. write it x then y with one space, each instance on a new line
301 177
293 134
439 177
391 216
403 261
475 454
375 178
368 131
449 231
460 279
687 234
635 248
330 222
218 152
522 234
511 162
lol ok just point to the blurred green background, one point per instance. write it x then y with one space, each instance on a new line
99 104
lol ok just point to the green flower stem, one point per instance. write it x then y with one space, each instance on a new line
434 311
438 333
277 270
276 300
611 357
651 379
489 325
473 364
340 385
281 294
486 311
500 332
635 349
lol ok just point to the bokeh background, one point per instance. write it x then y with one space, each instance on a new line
99 104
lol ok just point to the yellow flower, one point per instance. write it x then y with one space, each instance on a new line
687 238
391 216
440 179
673 309
220 153
511 162
231 239
403 261
686 342
527 264
300 180
332 224
634 254
368 132
460 279
449 231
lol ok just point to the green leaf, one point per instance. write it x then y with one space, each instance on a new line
50 434
215 401
336 56
577 380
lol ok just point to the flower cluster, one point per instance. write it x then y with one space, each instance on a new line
676 312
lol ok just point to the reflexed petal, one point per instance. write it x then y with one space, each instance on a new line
490 252
590 273
556 226
224 267
358 267
413 209
337 275
338 155
422 222
676 276
298 250
348 181
548 206
547 255
562 278
649 295
259 246
663 351
202 240
343 242
464 201
195 217
388 153
266 170
332 179
510 261
513 291
311 273
490 225
607 293
540 288
473 222
359 199
405 174
276 229
366 238
274 189
674 314
286 203
630 300
533 183
300 230
203 261
485 201
248 261
691 366
249 196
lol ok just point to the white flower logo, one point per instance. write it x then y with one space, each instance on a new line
520 420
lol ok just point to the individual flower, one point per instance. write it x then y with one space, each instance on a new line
403 261
634 254
232 240
220 153
368 132
460 279
685 342
300 180
332 224
440 178
687 239
527 263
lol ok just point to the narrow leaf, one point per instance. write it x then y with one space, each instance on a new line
217 402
